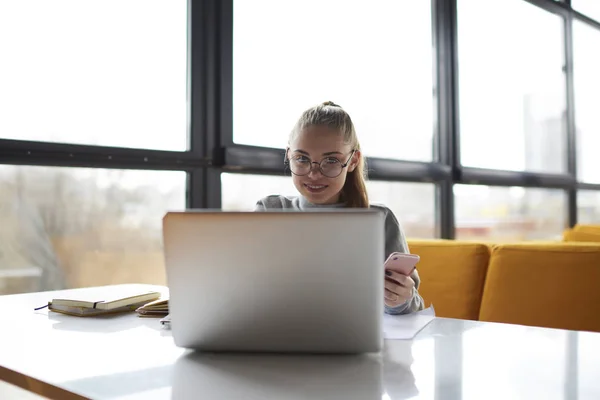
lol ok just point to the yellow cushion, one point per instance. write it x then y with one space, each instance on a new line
587 228
452 275
552 285
581 236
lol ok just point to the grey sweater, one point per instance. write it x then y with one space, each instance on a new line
395 240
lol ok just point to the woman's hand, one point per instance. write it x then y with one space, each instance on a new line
398 288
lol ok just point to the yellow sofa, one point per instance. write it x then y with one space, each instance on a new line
583 233
552 284
587 228
452 275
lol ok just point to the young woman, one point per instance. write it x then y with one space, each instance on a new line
328 170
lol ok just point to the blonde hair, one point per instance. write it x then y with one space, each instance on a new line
354 192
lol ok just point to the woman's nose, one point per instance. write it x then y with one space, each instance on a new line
315 170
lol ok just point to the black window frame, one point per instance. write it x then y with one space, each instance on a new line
212 151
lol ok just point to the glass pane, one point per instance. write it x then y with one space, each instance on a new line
412 203
590 8
240 192
374 58
512 86
105 73
77 227
588 207
586 74
503 214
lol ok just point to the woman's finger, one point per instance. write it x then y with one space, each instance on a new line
392 286
391 296
400 279
401 291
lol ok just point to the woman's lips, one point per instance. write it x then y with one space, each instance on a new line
314 188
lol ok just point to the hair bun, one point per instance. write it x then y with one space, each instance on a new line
331 103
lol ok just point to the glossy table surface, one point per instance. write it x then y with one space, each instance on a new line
127 357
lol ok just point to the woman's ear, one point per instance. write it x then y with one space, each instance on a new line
355 160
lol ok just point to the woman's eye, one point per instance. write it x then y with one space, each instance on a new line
332 160
300 159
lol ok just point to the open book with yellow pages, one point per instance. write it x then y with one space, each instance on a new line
102 301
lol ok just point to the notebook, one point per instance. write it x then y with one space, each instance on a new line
156 308
88 312
96 302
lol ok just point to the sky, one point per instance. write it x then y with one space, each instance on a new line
80 72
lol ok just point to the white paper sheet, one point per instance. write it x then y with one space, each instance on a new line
406 327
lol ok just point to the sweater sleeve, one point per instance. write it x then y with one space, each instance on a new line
395 241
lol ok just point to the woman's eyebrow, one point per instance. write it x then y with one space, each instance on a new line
301 151
329 153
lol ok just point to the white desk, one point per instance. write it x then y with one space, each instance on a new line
127 357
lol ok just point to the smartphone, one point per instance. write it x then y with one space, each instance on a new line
402 262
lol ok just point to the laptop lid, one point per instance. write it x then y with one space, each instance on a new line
276 281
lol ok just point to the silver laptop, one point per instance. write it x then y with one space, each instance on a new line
276 281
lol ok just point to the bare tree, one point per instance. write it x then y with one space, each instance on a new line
77 229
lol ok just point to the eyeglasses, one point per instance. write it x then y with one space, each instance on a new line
330 167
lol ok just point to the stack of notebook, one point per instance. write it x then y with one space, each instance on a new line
156 308
96 303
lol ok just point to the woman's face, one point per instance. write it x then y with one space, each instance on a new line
320 144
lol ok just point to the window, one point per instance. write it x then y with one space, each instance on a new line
240 192
588 207
586 75
412 203
76 227
512 86
503 214
590 8
102 73
373 58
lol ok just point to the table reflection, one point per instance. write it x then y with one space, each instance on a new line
258 376
247 376
398 377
